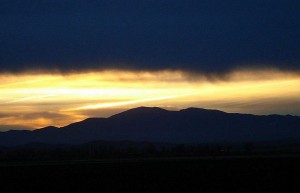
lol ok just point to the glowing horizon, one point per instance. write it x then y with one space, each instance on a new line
35 100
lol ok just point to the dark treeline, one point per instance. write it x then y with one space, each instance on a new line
130 149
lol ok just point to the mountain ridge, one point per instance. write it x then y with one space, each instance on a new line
191 125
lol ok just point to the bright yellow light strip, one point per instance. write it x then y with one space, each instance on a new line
37 100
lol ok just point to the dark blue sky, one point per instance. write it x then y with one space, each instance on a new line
210 35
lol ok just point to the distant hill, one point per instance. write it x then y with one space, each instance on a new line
192 125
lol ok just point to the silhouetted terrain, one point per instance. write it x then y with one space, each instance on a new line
143 149
155 150
188 126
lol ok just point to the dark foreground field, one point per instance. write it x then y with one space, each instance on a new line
155 175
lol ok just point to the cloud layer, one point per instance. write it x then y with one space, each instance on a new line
209 36
39 100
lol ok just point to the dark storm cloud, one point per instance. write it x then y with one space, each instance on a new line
210 36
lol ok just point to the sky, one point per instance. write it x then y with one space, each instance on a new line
62 61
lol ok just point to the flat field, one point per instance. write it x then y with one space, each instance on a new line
229 174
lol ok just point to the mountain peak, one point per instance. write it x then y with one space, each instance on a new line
140 111
197 110
50 128
147 109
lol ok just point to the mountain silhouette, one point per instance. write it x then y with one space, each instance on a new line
191 125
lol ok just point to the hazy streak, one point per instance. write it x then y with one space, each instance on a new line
122 103
28 99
